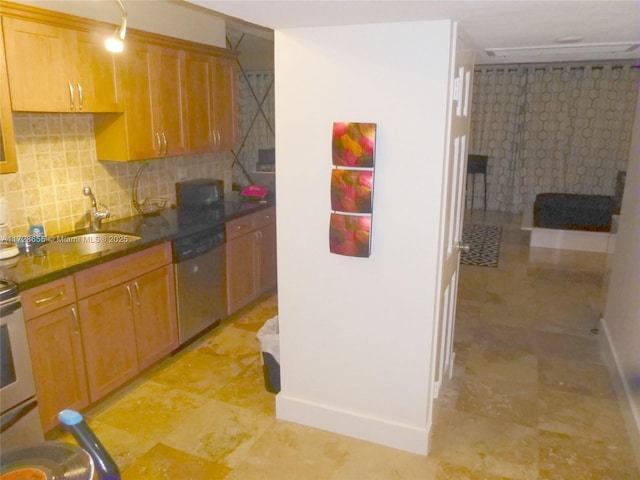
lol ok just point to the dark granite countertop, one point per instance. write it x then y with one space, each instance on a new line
36 268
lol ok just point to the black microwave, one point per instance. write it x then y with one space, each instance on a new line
199 193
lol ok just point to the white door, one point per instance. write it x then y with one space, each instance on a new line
452 210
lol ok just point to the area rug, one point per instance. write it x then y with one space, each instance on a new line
484 245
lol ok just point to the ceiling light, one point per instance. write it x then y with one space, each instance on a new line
589 48
115 43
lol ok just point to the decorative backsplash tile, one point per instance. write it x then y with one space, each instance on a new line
57 158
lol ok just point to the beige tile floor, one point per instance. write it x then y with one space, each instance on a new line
530 397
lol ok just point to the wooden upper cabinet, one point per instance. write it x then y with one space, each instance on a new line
56 69
168 88
223 99
211 105
201 135
8 158
98 74
131 137
153 124
160 97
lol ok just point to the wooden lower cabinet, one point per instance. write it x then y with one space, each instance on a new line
128 318
108 335
155 316
251 258
241 272
58 363
267 258
91 332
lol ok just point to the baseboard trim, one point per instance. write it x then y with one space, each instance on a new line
624 393
603 242
391 434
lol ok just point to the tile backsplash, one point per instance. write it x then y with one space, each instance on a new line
57 158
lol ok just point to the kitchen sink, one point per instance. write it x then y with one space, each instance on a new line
89 243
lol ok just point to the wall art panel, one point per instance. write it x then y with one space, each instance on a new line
352 179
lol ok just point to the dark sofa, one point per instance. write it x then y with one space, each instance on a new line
573 211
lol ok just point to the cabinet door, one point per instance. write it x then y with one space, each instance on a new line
241 271
267 258
168 106
155 317
58 363
198 98
31 49
139 134
108 335
8 159
97 79
224 102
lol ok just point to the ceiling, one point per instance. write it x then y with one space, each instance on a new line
599 26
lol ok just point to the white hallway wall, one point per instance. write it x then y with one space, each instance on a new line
622 313
356 333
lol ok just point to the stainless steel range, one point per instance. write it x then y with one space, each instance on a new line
20 422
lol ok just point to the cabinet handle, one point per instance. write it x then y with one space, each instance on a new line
218 137
135 284
40 301
71 97
159 143
130 295
79 96
164 141
76 324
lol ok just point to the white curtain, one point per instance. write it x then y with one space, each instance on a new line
551 129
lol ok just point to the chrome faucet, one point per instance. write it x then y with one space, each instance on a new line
95 216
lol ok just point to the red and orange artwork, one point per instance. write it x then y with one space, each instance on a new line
351 190
353 144
350 235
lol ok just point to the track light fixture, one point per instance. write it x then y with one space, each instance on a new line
115 43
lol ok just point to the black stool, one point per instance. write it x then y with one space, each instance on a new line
477 164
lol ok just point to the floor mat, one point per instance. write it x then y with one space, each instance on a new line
484 245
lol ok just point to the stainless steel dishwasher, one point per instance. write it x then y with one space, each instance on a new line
200 274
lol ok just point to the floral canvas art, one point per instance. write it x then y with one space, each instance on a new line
350 235
351 190
353 144
353 157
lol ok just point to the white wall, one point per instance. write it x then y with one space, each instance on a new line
356 332
622 313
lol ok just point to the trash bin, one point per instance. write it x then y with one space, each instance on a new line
269 339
